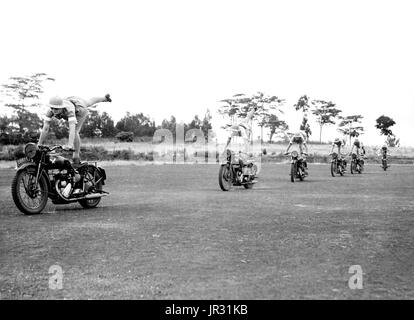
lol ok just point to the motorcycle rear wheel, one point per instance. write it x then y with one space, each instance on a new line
248 186
92 175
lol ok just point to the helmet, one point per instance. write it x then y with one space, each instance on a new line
56 102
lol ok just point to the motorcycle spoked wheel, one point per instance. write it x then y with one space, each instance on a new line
248 185
225 178
335 169
353 167
91 176
301 173
293 171
384 165
28 203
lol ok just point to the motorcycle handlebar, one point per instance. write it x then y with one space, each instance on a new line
49 149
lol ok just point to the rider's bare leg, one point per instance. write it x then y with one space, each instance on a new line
76 142
95 100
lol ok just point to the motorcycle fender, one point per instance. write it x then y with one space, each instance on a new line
103 174
31 167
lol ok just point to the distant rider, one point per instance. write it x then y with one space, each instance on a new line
359 147
75 111
339 143
299 138
242 131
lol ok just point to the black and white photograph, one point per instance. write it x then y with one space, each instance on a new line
195 150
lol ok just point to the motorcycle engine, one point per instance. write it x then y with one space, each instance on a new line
64 184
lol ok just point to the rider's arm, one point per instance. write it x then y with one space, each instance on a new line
290 144
72 128
46 126
72 125
43 134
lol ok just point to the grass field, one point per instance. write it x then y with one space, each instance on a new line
169 232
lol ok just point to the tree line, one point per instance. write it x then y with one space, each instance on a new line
270 108
22 95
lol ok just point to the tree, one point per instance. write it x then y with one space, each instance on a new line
302 104
194 124
22 94
92 126
240 105
139 124
59 128
275 125
206 125
349 126
383 124
107 126
325 113
170 125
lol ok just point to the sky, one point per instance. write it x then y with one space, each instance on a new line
181 57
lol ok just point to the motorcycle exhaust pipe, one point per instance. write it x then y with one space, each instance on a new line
94 196
87 197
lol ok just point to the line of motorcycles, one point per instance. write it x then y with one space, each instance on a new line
238 173
43 174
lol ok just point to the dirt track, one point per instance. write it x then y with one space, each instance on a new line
169 232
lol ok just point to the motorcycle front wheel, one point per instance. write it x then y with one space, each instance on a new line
301 173
225 178
353 167
333 168
293 172
28 198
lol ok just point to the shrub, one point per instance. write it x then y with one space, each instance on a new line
125 136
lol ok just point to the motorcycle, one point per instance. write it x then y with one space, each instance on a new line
297 166
236 173
357 164
385 164
43 174
337 165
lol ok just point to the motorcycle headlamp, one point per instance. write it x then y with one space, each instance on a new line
334 155
295 154
30 150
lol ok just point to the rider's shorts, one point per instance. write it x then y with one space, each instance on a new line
82 111
297 140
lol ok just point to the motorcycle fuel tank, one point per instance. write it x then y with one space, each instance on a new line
58 161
